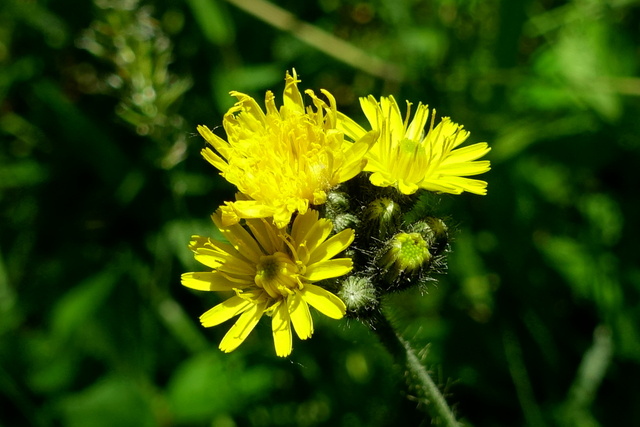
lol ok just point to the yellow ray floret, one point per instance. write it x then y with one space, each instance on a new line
285 159
409 158
272 271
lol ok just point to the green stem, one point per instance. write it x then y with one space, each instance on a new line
419 379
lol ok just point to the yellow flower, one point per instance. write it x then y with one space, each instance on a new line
272 272
408 158
284 159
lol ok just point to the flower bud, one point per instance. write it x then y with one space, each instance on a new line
383 214
406 254
440 239
337 202
342 221
435 232
358 294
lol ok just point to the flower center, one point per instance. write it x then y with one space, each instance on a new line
408 146
277 274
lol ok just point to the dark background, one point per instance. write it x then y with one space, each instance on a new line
102 183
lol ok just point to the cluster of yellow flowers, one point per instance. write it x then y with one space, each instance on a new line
286 162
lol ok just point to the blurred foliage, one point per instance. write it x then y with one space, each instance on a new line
101 185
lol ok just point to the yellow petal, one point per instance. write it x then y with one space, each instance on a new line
300 316
302 224
206 252
243 242
371 110
332 110
270 104
281 327
225 311
465 154
315 235
228 215
211 281
319 116
380 180
324 301
292 97
360 147
238 265
328 269
407 187
242 328
251 209
465 168
249 107
214 159
281 217
197 242
459 135
440 186
332 247
208 259
475 186
355 162
349 127
391 112
239 281
205 245
265 235
416 128
216 142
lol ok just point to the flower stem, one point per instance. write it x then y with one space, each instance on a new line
418 378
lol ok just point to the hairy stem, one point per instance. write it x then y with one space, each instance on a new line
418 379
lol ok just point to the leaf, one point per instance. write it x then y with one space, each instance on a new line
215 24
212 384
111 401
79 303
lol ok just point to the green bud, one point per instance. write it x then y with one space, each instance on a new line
342 221
435 232
439 236
409 257
403 260
337 202
384 215
359 294
406 252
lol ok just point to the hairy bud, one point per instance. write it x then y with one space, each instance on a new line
435 232
359 294
408 258
342 221
337 202
405 254
383 215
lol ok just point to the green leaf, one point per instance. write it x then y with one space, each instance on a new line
111 401
20 174
72 310
213 20
212 384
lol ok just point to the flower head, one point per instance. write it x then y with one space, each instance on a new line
408 158
283 159
272 272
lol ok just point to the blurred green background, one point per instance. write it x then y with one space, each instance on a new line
101 185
